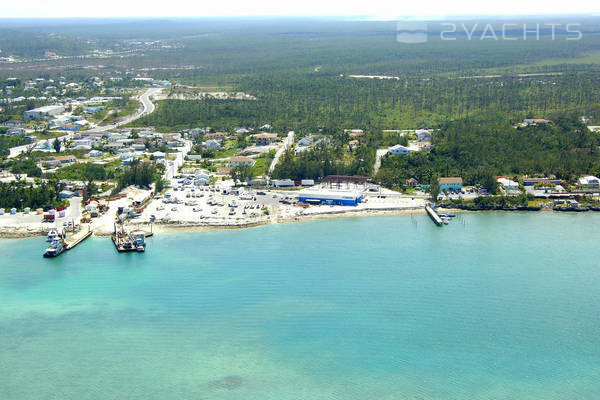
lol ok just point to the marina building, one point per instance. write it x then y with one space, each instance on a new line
451 184
323 195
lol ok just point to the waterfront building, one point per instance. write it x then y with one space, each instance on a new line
451 184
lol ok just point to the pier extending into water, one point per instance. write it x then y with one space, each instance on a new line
434 215
77 238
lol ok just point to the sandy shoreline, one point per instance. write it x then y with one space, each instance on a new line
19 232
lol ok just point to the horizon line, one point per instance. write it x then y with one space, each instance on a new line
360 17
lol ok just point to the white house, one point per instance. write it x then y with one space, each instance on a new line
95 153
589 181
423 135
138 146
212 144
399 149
306 141
508 184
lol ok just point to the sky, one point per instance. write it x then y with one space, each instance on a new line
376 9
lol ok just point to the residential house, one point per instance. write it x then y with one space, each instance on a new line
423 135
241 161
589 182
355 133
353 144
298 150
535 121
82 142
507 184
212 144
264 139
115 145
115 137
216 135
59 161
223 171
412 182
398 150
195 132
93 109
138 146
12 124
95 153
324 141
306 141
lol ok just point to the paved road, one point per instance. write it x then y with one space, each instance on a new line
147 108
380 153
287 144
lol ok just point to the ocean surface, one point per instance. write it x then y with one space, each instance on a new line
492 306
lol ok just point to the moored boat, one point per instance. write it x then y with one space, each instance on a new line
55 249
139 242
52 235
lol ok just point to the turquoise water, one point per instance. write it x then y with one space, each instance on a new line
493 306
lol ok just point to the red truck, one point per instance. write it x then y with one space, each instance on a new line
48 217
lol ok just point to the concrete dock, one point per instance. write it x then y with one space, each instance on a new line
434 215
77 238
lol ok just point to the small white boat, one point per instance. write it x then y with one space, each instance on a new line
52 235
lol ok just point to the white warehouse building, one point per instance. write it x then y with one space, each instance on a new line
44 112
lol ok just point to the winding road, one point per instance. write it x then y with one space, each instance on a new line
147 107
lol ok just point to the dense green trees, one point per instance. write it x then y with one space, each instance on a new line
241 174
483 147
6 142
21 194
139 174
325 160
84 172
306 103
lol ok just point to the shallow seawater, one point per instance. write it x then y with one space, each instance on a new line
492 306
